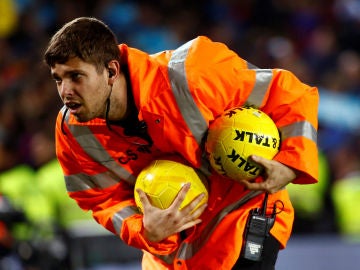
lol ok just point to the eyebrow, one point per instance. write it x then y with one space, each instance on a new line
67 73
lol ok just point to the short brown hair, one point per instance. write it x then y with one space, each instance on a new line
87 38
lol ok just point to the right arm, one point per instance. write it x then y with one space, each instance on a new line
111 200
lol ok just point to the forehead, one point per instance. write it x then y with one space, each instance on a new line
73 64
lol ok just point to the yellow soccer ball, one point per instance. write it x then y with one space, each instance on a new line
237 134
161 180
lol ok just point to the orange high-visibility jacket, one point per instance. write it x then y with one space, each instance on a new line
178 94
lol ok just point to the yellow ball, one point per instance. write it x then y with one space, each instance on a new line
163 179
237 134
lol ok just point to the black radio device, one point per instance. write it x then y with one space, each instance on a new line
257 229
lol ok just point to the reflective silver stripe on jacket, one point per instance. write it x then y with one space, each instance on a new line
78 182
94 149
179 84
169 259
81 182
116 173
303 128
124 213
186 104
263 80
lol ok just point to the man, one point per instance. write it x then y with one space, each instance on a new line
125 108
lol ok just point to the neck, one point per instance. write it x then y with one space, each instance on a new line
117 104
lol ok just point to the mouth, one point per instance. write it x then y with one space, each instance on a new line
72 106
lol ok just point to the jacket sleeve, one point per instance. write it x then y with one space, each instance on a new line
293 106
221 80
111 201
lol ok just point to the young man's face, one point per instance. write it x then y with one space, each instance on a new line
82 89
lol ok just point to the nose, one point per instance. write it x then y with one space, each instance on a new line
65 89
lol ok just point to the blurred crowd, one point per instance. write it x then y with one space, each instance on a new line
319 41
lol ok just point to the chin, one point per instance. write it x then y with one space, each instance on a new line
81 118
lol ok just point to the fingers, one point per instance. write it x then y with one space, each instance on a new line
143 197
199 210
160 223
196 201
191 214
264 186
260 160
189 225
193 206
192 209
145 203
180 196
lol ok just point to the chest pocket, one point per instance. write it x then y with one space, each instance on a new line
156 129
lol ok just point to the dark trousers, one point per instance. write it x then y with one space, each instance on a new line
270 253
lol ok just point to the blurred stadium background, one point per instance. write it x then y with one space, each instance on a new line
319 41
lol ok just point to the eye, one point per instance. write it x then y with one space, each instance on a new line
75 76
57 79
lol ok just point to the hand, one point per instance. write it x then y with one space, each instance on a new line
161 223
276 175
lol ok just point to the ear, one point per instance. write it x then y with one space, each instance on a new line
113 68
111 72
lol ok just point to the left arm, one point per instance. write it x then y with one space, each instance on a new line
291 104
